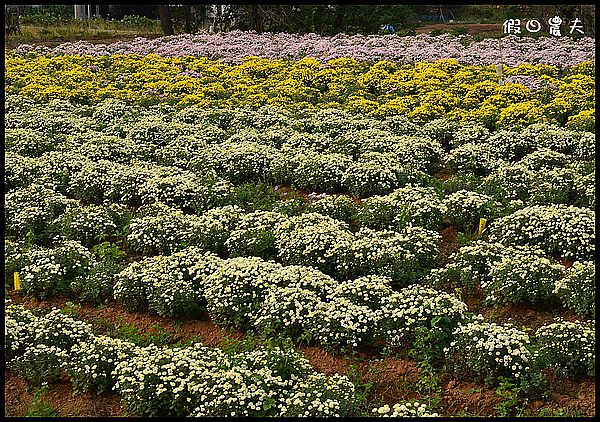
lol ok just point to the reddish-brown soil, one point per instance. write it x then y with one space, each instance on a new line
18 399
394 378
449 244
466 396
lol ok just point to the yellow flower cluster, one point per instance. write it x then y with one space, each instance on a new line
422 91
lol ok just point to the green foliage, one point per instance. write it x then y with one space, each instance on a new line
511 405
252 196
156 334
109 253
40 408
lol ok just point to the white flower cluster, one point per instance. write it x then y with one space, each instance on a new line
162 230
141 182
91 363
468 132
469 267
54 169
577 290
404 256
156 128
41 363
50 271
376 174
585 187
568 347
240 162
310 239
320 171
561 230
38 347
341 324
27 142
92 223
215 226
198 381
33 210
165 381
17 330
339 207
287 311
490 351
181 151
96 146
19 171
405 410
465 208
317 142
403 312
370 290
254 234
522 277
182 190
410 205
234 292
475 158
168 285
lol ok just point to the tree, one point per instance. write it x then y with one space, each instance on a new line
165 19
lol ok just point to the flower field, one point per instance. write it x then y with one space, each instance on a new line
371 200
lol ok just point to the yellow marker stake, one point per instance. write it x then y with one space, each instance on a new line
17 282
482 222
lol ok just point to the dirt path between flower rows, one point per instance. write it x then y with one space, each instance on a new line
395 378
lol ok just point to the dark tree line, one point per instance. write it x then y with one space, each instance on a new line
352 19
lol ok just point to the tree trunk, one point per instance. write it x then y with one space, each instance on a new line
165 19
188 18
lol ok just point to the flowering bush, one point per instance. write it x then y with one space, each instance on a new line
41 363
469 267
405 410
528 277
233 45
157 282
320 172
491 351
17 330
423 92
367 291
94 223
568 347
561 230
254 234
91 363
162 230
235 291
474 158
404 313
27 142
339 207
50 271
310 239
285 312
238 161
215 226
96 287
410 205
577 289
404 256
341 324
465 208
32 212
198 381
